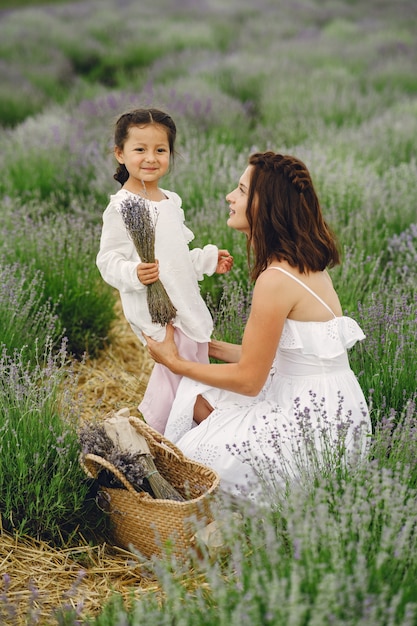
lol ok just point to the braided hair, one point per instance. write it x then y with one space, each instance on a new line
285 218
141 117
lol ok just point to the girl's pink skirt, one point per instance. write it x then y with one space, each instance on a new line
162 386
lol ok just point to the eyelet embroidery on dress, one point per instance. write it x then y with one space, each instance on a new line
180 426
287 340
207 454
332 329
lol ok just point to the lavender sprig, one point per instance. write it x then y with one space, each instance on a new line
138 468
94 440
138 221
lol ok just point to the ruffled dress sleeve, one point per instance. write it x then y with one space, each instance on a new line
325 340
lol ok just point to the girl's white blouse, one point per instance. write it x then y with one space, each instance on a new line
180 268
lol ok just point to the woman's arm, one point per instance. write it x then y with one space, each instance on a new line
224 351
270 307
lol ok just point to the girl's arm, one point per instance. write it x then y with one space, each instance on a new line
270 307
117 259
204 260
210 260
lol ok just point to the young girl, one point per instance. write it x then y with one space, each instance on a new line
144 145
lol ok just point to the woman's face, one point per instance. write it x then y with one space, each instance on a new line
238 202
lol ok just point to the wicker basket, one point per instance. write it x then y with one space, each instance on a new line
151 525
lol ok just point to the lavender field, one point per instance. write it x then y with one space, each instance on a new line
330 81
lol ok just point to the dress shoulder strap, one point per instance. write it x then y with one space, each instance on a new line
300 282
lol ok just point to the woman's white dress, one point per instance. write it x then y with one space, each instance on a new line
310 413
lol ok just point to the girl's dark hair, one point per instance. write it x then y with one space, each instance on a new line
285 218
141 117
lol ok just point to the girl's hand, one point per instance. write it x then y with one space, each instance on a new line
224 262
148 273
164 352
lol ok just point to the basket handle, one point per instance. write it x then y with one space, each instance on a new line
91 461
154 436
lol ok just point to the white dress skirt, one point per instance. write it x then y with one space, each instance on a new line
310 414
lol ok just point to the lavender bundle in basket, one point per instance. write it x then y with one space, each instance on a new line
139 223
113 440
95 440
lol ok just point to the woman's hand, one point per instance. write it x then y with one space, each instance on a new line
164 352
148 273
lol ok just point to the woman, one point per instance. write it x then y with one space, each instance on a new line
287 397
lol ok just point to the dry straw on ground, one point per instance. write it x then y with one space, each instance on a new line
53 574
118 378
115 380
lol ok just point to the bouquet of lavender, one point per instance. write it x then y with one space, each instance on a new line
116 441
138 221
95 440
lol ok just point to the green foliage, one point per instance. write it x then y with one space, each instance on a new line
28 321
55 164
231 311
382 361
43 490
13 107
14 4
62 249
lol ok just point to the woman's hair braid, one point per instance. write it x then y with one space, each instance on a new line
293 169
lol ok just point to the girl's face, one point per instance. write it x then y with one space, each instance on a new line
238 202
145 154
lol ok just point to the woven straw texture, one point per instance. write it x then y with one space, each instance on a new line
154 525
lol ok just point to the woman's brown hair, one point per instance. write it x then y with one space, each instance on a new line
285 218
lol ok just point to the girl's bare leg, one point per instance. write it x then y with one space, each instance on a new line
202 409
